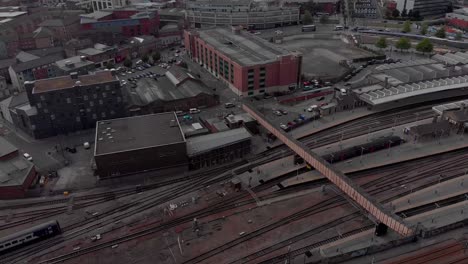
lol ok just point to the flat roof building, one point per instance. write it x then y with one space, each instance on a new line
218 148
248 64
140 143
78 64
16 173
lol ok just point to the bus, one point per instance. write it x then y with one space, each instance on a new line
308 28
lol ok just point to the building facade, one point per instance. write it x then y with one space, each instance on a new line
69 103
426 8
248 64
249 14
40 68
140 143
128 22
459 18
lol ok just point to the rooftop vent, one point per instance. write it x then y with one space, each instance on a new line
173 123
69 63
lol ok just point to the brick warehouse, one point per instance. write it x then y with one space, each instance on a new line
248 64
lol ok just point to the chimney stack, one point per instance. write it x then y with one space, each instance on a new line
74 75
82 58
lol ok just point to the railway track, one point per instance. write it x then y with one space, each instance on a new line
380 121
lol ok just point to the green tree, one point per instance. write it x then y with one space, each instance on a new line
381 43
110 65
403 44
458 36
423 29
156 56
440 33
406 27
145 58
425 46
307 19
396 13
324 19
128 62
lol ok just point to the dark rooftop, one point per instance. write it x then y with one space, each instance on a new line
66 82
36 63
138 132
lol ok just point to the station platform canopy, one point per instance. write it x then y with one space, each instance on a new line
387 95
440 109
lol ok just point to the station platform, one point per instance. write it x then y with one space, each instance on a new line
432 194
358 244
404 152
326 122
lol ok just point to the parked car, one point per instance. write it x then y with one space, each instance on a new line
194 111
27 156
312 108
284 112
284 127
229 105
278 113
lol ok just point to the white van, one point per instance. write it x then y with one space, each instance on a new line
339 27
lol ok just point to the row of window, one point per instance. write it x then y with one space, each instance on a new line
218 66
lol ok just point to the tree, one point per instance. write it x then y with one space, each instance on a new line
423 29
396 13
410 13
403 44
425 46
406 27
381 43
440 33
307 19
145 58
156 56
458 36
110 65
324 19
404 13
128 62
417 15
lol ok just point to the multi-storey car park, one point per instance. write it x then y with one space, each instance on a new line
248 64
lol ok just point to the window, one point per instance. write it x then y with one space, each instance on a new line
250 93
85 97
46 110
112 112
119 99
94 96
94 116
103 114
38 105
100 102
91 103
104 95
107 87
52 116
69 100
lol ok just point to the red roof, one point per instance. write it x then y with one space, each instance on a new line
66 82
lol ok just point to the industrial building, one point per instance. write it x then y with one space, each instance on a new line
248 64
218 148
176 90
139 143
16 173
246 13
78 64
68 103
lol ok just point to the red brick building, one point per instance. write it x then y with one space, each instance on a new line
248 64
16 173
128 22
